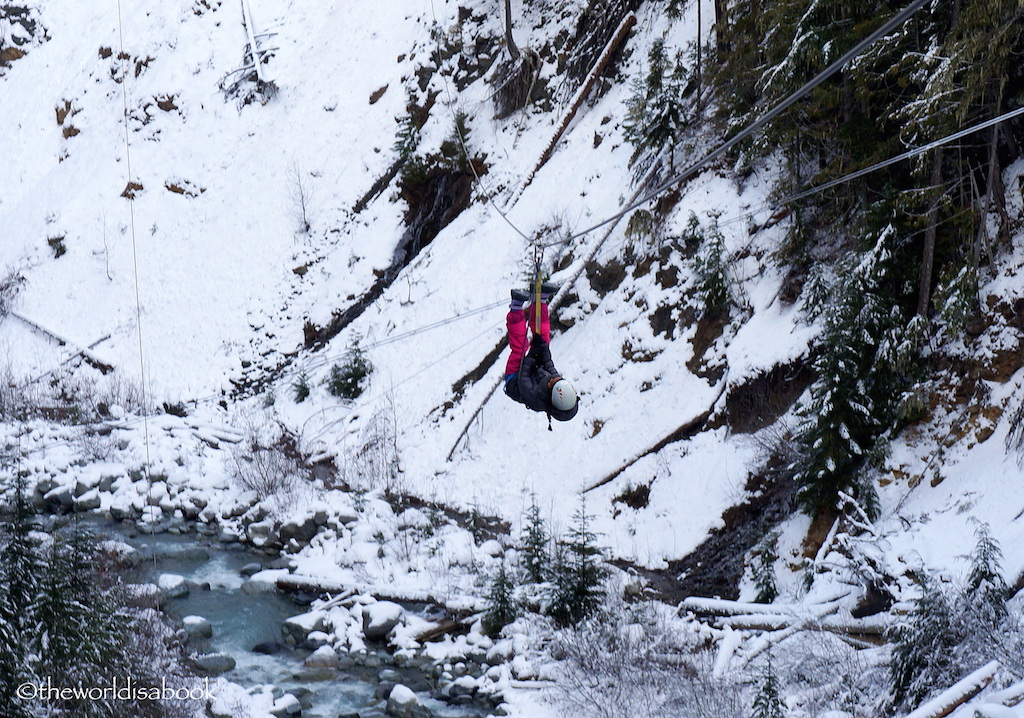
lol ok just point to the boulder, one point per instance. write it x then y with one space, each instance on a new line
286 705
264 581
250 568
297 628
269 648
198 628
301 532
380 618
213 663
89 501
59 500
315 639
402 702
172 585
323 657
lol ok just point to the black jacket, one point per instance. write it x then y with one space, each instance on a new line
529 385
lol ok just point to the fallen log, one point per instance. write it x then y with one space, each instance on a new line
459 606
957 694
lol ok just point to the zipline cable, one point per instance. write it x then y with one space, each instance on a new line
130 192
750 129
458 131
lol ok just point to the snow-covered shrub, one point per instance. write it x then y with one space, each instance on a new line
625 661
374 462
271 470
10 283
347 379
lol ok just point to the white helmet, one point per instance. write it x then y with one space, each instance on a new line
563 395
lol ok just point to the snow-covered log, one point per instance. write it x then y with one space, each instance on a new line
701 606
458 605
957 694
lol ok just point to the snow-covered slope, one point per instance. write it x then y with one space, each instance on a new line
206 282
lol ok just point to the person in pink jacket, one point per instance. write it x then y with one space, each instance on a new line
531 377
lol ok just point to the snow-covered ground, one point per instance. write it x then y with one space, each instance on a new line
206 274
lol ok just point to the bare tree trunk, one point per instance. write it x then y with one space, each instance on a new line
700 64
928 258
721 21
996 200
513 49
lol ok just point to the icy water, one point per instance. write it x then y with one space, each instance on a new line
241 621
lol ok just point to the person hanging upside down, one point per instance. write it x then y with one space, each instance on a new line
532 379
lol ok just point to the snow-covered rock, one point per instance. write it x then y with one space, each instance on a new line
172 585
380 618
323 657
402 701
198 627
297 628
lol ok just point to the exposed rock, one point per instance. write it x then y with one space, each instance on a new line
213 663
301 532
59 500
88 501
250 568
269 648
315 639
286 705
263 581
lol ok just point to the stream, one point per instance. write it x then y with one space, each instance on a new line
241 621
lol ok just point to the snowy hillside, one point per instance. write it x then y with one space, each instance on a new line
181 264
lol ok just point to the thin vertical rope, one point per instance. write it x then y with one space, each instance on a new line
130 193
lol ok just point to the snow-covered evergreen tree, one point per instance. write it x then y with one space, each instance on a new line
986 592
535 545
501 602
655 114
767 701
764 570
852 401
924 647
578 574
19 575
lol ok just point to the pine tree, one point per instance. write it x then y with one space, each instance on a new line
347 379
78 632
19 571
578 575
860 363
501 603
767 701
712 272
764 570
534 545
986 592
924 647
655 114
